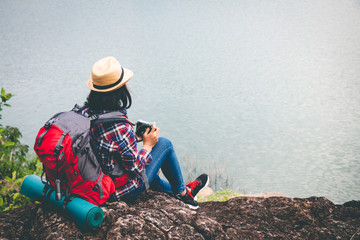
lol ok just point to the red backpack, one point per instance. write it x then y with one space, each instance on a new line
64 146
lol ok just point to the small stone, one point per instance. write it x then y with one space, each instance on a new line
205 192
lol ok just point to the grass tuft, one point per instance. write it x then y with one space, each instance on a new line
220 196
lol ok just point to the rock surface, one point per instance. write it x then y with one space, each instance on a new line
159 216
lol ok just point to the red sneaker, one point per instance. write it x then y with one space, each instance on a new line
199 183
188 199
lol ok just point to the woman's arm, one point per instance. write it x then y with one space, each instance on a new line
151 138
132 159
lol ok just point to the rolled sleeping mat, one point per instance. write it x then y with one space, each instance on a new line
86 215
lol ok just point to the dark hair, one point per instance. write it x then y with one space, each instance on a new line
118 99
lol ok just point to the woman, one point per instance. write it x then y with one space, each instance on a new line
117 142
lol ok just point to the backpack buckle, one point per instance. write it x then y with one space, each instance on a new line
94 117
57 150
77 108
58 146
49 123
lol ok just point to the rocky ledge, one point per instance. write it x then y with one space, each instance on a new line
158 216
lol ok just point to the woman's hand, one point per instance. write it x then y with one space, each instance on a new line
151 138
138 139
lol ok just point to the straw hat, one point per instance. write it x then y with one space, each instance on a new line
107 75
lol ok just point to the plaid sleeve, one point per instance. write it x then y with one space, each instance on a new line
132 160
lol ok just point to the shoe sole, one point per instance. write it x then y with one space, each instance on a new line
206 184
192 207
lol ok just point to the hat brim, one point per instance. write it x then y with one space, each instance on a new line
128 74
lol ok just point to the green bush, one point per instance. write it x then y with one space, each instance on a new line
15 163
10 196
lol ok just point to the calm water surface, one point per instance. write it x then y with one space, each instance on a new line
266 91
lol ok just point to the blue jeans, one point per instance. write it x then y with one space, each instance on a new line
164 158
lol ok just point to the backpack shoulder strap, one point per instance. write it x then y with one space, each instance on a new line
109 117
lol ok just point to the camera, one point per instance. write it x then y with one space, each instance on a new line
141 127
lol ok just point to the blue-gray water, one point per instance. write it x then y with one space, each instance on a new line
267 90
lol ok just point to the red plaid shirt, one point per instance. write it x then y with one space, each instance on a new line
117 142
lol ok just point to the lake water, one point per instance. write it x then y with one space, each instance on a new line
267 92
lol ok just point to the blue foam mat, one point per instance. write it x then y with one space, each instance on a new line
86 215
